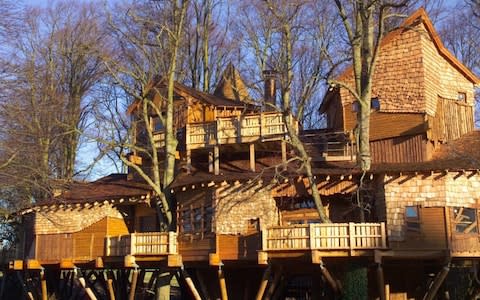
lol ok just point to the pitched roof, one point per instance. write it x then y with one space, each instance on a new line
231 85
418 16
111 187
185 91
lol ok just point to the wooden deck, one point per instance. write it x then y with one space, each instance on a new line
240 129
335 236
146 243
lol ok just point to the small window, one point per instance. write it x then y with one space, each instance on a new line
465 220
462 97
375 103
355 106
156 124
412 218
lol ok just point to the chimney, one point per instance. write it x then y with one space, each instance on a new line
270 96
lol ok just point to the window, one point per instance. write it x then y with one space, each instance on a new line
462 97
412 218
374 105
465 220
148 224
196 220
156 124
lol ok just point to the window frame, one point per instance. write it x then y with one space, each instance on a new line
413 223
456 221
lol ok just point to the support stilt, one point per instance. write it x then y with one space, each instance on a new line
43 282
191 286
264 283
437 282
163 286
276 279
381 282
223 284
133 285
252 157
329 278
284 152
203 286
216 160
88 290
2 288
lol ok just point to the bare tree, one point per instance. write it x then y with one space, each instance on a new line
53 65
364 23
293 38
150 36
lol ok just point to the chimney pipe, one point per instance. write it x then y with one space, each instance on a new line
270 93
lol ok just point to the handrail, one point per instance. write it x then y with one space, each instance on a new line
331 236
142 243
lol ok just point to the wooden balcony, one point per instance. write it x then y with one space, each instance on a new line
144 244
325 145
240 129
340 238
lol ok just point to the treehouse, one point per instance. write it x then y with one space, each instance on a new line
424 166
108 221
243 211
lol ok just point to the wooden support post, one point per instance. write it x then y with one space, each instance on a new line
252 157
88 290
437 282
381 281
210 162
203 286
223 284
2 288
387 292
111 292
284 152
189 160
43 282
263 283
28 294
163 286
216 160
273 286
133 285
329 278
191 286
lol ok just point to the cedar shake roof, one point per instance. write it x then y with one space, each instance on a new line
420 16
231 86
188 92
111 187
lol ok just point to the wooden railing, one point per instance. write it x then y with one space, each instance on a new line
329 145
333 236
145 243
239 129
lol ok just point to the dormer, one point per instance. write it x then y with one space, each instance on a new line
422 94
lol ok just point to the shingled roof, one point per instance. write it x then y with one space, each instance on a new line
231 86
418 17
111 187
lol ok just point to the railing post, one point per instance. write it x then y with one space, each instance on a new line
383 232
132 244
264 239
312 236
262 122
172 242
351 234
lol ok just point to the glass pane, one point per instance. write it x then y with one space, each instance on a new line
411 212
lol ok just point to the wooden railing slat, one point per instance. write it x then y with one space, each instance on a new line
325 236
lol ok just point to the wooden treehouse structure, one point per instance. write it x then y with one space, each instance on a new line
247 226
